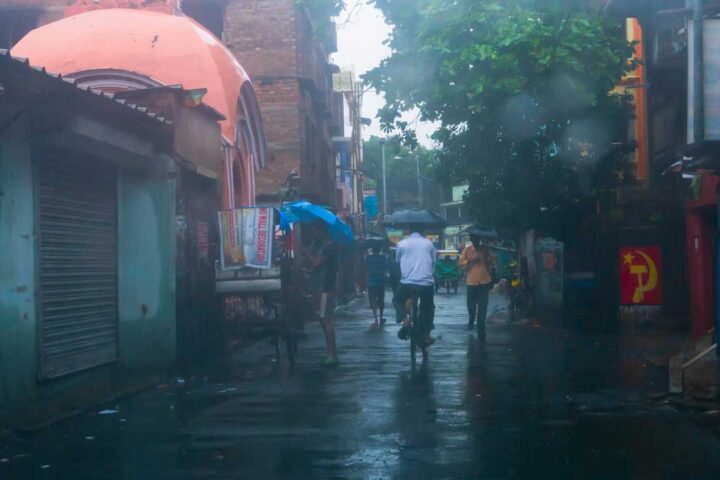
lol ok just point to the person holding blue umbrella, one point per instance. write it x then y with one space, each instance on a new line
325 263
330 230
306 212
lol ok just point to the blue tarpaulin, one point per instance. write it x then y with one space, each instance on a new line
370 203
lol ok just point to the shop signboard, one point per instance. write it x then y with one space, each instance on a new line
246 237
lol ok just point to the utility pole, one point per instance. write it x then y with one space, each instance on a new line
382 144
419 180
698 73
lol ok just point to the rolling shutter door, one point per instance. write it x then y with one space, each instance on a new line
77 227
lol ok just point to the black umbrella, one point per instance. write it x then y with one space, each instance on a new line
481 231
423 217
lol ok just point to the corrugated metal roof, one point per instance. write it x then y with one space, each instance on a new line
109 96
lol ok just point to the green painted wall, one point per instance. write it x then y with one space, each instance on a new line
17 266
147 271
146 248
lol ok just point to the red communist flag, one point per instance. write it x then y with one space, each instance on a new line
641 275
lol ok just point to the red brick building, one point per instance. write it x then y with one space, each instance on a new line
275 42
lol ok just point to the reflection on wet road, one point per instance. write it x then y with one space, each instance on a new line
526 403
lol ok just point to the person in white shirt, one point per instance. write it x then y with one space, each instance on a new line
416 256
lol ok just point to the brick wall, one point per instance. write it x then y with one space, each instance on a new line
262 35
278 101
163 6
274 42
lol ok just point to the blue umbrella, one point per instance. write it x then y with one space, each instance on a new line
306 212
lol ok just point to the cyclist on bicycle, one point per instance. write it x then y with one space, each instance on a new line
416 256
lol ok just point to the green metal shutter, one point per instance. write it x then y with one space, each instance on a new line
77 238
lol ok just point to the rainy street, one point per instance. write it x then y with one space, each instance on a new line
529 402
186 184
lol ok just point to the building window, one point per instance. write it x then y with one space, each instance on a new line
208 13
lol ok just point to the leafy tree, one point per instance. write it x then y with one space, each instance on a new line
399 159
522 92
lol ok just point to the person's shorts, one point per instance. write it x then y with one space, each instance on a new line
326 305
376 296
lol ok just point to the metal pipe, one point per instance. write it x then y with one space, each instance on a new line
698 73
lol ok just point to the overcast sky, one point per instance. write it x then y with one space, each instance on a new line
361 31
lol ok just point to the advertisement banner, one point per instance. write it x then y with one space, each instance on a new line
641 275
246 237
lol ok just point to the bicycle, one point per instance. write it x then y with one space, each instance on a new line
415 335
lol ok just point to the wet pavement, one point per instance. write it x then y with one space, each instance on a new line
527 402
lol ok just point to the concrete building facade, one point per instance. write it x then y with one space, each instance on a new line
87 227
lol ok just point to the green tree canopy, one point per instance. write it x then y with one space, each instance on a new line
522 93
399 159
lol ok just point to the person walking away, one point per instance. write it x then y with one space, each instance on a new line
376 267
325 263
416 256
477 261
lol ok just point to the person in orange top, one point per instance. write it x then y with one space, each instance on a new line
477 261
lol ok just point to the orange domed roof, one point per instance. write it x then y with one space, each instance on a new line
168 49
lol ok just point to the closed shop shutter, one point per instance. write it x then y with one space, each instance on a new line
78 298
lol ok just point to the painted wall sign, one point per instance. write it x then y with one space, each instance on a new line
246 237
641 275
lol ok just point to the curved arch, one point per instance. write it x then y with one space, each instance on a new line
246 150
113 80
251 111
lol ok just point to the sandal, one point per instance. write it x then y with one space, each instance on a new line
330 362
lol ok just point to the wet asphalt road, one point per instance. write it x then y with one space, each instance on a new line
526 403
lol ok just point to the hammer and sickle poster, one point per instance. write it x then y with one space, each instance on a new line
641 275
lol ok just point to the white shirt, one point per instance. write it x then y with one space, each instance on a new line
416 256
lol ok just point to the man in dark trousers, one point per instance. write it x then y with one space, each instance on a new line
376 266
477 261
325 264
416 256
